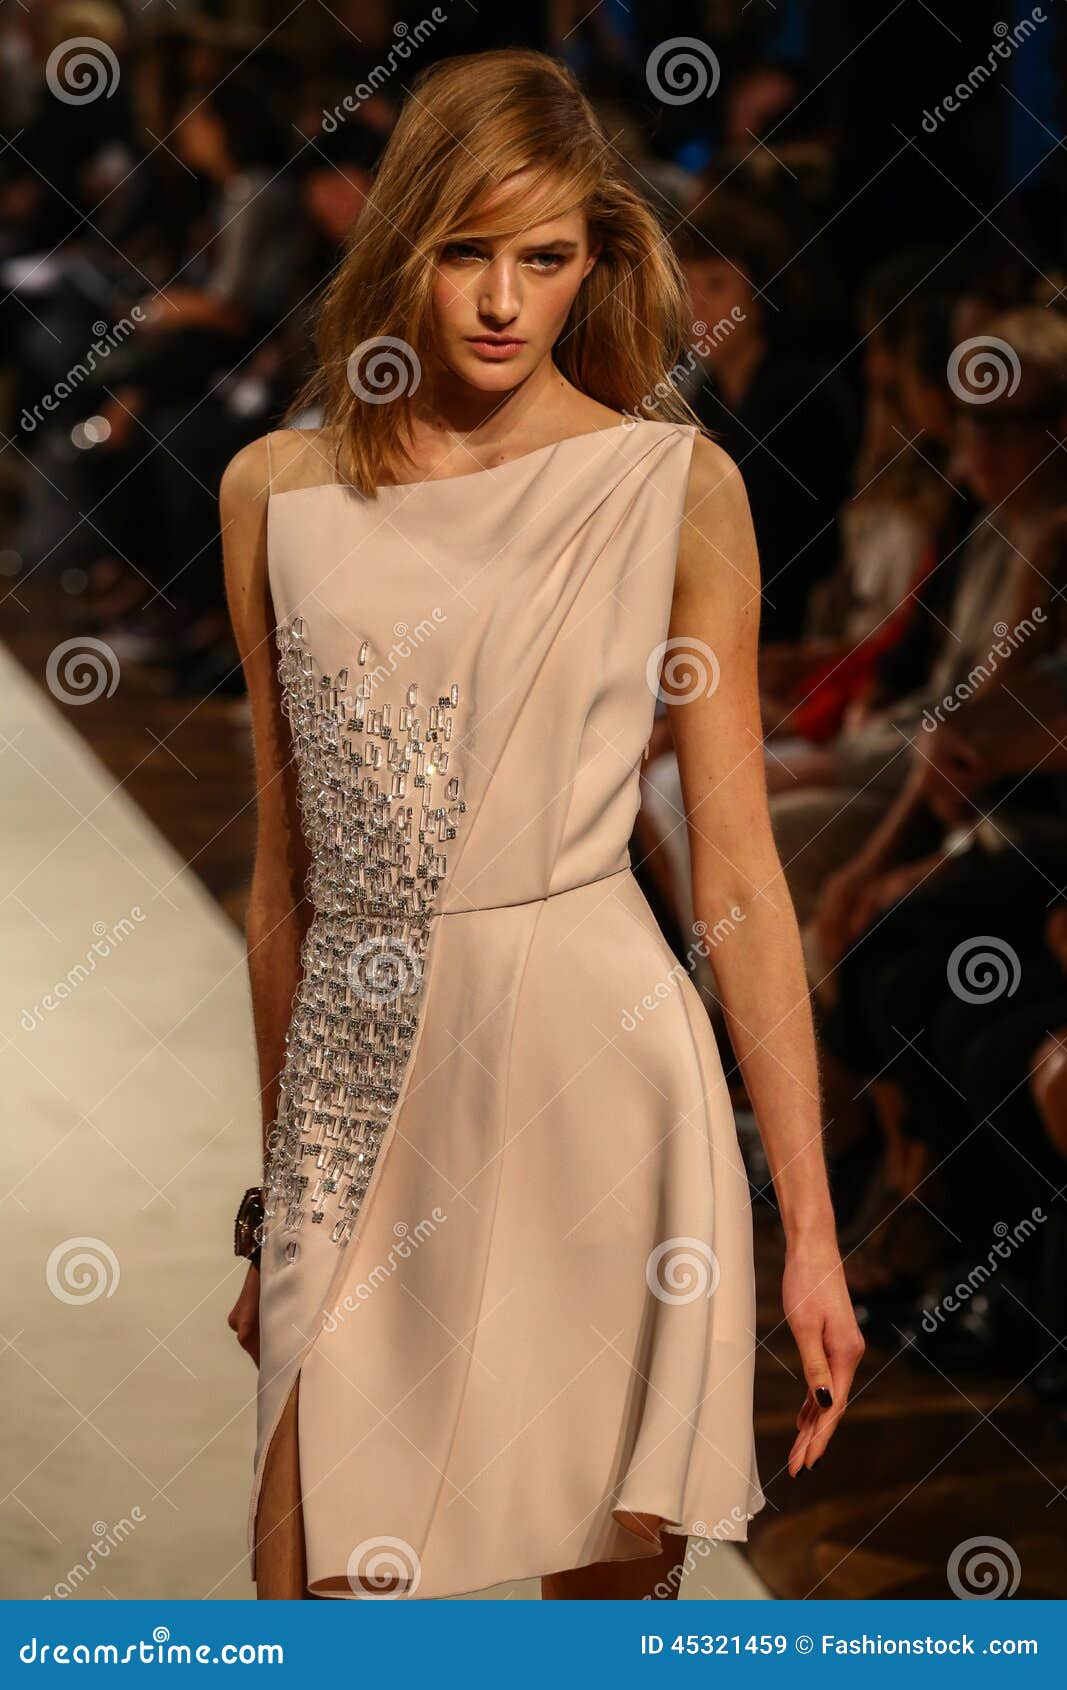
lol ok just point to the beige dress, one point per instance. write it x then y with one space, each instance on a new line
509 1244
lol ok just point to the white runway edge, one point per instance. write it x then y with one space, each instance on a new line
132 1129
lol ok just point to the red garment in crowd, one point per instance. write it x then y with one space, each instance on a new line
828 688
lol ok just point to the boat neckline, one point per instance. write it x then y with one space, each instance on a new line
474 474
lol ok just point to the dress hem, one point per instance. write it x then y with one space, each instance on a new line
665 1528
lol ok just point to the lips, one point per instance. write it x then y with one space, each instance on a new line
495 347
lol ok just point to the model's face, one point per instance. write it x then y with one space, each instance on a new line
500 303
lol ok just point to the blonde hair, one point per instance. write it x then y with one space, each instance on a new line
470 123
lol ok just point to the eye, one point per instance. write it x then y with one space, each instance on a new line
547 262
456 251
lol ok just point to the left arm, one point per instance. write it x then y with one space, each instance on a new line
759 968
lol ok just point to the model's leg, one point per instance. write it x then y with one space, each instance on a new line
281 1567
658 1577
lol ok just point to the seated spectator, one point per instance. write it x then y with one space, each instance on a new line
153 439
850 784
903 518
951 982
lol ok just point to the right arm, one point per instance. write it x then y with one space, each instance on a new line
278 909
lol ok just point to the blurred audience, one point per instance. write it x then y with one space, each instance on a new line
898 410
784 418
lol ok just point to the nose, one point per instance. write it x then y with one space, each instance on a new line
498 298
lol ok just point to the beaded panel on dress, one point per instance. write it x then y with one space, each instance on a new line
377 805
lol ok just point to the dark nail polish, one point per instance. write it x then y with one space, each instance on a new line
823 1397
818 1458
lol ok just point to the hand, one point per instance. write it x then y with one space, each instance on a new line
817 1306
243 1318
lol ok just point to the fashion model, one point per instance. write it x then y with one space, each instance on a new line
501 1290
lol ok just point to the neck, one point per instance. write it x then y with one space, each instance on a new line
456 409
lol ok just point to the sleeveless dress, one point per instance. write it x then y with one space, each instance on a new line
508 1244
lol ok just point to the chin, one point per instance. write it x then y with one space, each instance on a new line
493 378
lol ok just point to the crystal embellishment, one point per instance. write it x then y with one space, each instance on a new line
376 805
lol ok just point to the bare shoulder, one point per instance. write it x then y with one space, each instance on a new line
715 482
277 462
246 478
717 543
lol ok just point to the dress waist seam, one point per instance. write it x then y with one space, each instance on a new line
520 903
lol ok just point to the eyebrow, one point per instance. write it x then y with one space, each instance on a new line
561 244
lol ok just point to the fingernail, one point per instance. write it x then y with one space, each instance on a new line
818 1458
823 1397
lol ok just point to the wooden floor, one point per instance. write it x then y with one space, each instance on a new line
921 1465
